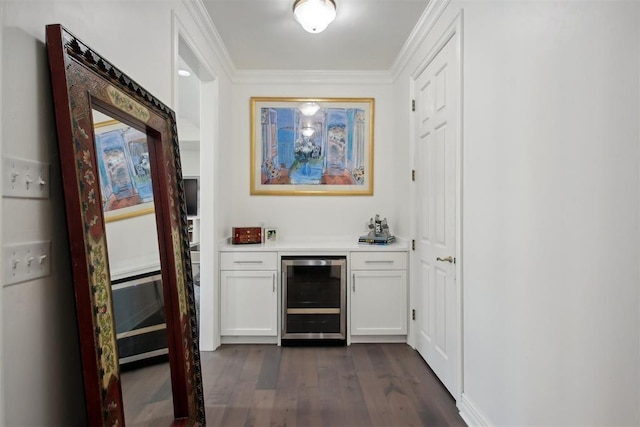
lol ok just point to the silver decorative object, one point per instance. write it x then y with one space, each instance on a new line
378 227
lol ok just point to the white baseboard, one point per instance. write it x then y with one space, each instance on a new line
358 339
471 414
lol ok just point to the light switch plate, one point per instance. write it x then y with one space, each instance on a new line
25 178
26 261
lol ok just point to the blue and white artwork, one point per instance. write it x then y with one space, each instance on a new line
124 167
326 148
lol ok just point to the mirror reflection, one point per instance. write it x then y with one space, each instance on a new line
126 185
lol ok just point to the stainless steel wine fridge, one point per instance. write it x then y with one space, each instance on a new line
314 298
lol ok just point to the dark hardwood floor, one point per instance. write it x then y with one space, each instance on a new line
266 385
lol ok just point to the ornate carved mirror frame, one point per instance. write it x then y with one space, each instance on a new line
83 81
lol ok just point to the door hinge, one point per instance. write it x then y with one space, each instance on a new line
413 314
413 175
413 244
413 105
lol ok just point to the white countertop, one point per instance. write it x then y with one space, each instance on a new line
315 245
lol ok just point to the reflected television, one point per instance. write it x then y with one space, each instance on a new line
192 195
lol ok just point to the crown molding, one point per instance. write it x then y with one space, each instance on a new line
205 24
201 17
321 77
427 20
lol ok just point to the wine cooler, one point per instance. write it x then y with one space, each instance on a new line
314 298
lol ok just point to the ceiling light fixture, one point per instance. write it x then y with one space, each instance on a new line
309 108
314 15
184 73
308 131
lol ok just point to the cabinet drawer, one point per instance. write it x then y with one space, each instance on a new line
248 260
378 260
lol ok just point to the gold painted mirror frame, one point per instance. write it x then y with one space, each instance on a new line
82 80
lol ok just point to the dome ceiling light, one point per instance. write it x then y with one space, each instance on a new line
308 131
314 15
309 108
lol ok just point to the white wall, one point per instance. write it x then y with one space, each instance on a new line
190 157
133 246
300 217
550 210
560 229
41 372
1 215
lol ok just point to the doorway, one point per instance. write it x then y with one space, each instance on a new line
196 92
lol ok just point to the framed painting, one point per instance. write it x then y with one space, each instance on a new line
124 168
312 146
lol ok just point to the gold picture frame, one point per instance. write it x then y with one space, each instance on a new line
327 150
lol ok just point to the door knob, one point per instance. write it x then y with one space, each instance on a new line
447 259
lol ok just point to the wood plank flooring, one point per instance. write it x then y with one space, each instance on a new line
265 385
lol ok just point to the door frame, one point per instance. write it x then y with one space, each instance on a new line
453 29
197 42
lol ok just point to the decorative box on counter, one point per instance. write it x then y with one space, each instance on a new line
243 235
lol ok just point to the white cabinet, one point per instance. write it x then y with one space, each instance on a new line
378 293
248 294
251 294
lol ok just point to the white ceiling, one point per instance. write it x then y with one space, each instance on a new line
263 34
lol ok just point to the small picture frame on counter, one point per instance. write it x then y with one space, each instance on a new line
270 235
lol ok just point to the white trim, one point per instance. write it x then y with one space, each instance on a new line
452 30
425 25
209 140
179 30
359 339
209 211
3 420
459 29
204 23
317 77
638 181
471 414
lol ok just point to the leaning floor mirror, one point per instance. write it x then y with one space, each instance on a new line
121 168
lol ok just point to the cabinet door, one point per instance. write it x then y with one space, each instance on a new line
248 303
379 302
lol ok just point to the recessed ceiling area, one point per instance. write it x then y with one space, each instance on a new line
264 35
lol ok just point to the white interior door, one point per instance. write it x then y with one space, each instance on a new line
437 102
